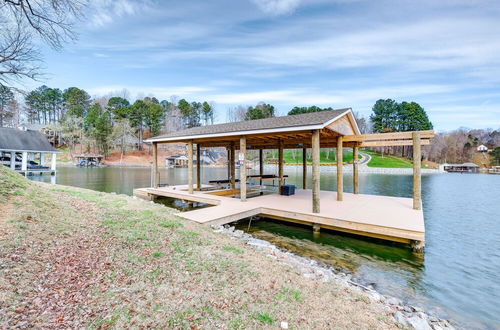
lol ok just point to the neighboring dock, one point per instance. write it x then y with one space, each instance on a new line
25 151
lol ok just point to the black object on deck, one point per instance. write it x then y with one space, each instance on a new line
287 190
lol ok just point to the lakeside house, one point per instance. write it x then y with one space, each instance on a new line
24 151
482 148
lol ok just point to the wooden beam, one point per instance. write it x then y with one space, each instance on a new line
53 162
190 166
13 160
304 168
24 161
417 189
392 143
243 168
280 165
198 167
388 136
261 164
315 171
233 167
355 170
155 165
340 165
228 151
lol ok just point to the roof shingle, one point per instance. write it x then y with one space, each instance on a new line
15 139
306 119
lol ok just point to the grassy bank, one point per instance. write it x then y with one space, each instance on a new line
73 258
326 157
387 161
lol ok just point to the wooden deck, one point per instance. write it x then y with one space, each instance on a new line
390 218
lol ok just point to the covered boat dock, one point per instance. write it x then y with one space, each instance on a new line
25 151
391 218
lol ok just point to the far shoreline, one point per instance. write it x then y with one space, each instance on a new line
363 169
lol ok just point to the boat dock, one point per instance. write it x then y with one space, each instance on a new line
359 214
235 197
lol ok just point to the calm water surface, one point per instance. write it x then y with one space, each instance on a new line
458 276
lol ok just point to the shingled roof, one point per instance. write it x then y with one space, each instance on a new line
13 139
313 120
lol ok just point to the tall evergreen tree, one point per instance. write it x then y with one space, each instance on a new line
119 107
6 97
299 110
154 117
260 111
385 116
77 102
412 117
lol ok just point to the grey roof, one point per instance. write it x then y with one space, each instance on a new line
306 119
18 140
462 165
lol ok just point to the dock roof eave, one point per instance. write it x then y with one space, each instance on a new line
34 151
13 139
271 126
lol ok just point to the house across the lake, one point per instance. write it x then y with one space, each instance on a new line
26 151
459 168
176 161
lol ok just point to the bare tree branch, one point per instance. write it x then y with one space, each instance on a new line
52 20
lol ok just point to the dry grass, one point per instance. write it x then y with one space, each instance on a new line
72 257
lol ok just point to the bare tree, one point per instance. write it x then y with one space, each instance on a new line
51 20
236 114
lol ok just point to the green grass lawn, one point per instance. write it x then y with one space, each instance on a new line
288 155
387 161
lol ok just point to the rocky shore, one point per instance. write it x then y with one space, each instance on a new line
405 315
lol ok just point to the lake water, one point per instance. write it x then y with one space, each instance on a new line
458 275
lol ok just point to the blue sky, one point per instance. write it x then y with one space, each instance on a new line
442 54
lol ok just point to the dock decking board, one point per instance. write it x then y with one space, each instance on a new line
390 218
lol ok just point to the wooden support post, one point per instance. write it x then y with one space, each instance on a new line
228 150
42 159
53 162
355 170
24 161
243 168
155 165
340 176
304 168
190 167
198 167
315 171
280 165
417 185
233 167
261 164
13 160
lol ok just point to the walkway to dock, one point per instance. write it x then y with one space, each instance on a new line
390 218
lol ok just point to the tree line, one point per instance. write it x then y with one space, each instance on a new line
101 123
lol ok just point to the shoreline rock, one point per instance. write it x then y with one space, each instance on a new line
406 315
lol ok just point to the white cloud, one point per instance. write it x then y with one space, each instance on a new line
104 12
277 7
